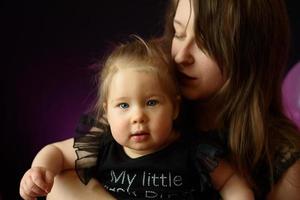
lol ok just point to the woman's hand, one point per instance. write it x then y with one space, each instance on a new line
36 182
288 187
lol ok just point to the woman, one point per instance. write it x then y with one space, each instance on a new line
231 57
226 52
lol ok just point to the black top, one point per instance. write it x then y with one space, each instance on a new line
179 171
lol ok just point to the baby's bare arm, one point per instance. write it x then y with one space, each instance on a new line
56 157
50 161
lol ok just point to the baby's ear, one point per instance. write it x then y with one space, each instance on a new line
176 107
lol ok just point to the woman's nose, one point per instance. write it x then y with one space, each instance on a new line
184 55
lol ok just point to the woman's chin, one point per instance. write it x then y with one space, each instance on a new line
192 95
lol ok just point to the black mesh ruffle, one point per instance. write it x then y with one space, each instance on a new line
87 142
209 150
209 156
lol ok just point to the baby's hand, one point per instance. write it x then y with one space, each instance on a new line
36 182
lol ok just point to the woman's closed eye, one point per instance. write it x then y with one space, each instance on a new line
179 36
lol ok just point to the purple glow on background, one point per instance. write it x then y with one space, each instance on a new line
54 94
291 94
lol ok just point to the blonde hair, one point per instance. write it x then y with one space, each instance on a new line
249 39
144 56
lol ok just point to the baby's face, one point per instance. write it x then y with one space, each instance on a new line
139 112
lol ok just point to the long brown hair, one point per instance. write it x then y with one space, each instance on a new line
249 39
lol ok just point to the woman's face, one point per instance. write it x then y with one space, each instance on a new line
199 75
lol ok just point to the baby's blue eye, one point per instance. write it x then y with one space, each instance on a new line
123 105
152 102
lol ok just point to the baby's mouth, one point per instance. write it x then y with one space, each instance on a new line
137 133
139 136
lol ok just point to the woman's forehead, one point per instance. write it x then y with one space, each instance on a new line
183 13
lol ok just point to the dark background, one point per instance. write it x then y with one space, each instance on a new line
48 50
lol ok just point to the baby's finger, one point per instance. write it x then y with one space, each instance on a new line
31 189
49 179
36 191
24 193
38 180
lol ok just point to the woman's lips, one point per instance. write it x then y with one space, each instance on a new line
185 79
